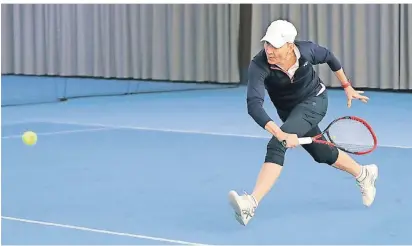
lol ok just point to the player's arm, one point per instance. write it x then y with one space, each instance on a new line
255 99
321 55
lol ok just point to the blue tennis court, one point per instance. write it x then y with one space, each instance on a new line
156 169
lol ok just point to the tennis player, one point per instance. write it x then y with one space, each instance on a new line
284 68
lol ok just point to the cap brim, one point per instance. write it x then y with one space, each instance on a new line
276 42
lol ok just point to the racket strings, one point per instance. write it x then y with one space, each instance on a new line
351 135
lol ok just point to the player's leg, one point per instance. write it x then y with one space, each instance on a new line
245 205
365 176
322 153
299 121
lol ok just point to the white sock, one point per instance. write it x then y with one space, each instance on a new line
362 175
254 199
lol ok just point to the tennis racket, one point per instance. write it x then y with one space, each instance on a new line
349 134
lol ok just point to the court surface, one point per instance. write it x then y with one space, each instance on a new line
156 169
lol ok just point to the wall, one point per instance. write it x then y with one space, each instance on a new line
202 43
18 90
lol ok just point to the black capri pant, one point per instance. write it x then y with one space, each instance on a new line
303 121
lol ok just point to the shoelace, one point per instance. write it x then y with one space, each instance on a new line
247 213
250 210
362 189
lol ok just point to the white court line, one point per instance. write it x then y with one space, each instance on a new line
189 131
62 132
12 123
80 228
179 131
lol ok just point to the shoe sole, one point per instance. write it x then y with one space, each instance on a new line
234 203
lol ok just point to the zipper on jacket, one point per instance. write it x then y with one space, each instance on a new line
280 69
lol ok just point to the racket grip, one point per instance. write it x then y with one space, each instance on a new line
307 140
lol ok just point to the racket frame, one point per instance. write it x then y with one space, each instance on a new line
316 139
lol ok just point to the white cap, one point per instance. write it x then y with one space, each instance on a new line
279 33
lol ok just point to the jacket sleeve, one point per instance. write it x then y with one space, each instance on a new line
256 94
321 55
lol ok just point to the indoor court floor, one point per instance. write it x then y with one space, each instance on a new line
156 169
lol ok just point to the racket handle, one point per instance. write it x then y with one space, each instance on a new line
307 140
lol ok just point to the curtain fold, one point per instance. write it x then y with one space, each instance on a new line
162 42
365 37
405 82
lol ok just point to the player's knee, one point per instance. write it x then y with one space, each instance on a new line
275 152
328 157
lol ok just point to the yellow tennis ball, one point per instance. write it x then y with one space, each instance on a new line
29 138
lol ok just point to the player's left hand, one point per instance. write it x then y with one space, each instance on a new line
353 94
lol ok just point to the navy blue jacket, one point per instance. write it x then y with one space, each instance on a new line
286 93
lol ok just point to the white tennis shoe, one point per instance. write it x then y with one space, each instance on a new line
367 185
244 207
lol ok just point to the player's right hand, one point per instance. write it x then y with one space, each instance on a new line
292 140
